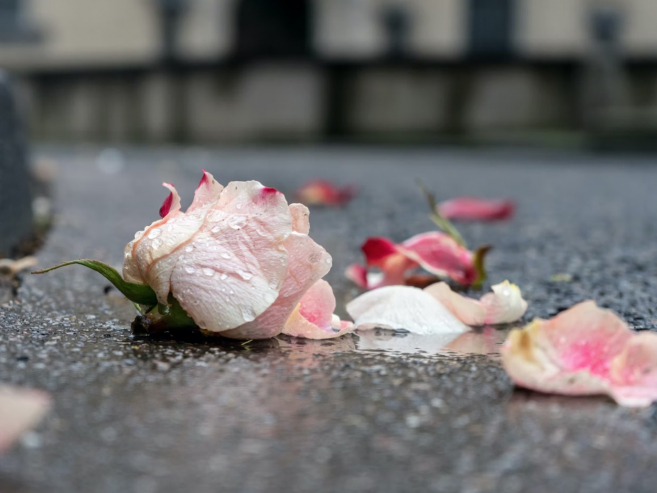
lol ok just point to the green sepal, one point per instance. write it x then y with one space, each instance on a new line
479 265
443 223
137 293
165 318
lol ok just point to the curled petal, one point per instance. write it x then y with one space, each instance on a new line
582 351
476 209
504 305
440 254
323 192
231 271
403 307
207 192
313 317
20 410
307 263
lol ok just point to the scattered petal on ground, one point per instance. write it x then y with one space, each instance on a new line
20 410
504 305
477 209
403 307
313 317
324 192
583 351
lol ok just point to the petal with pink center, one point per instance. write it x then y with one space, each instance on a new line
20 410
403 307
582 351
476 209
313 317
307 263
233 268
440 254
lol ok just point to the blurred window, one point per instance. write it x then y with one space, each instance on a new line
13 25
491 28
273 28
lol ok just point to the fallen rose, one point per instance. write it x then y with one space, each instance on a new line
20 410
436 252
584 350
504 305
476 209
236 263
323 192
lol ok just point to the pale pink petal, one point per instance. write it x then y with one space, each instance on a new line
207 193
403 307
232 269
323 192
476 209
582 351
467 310
357 274
300 218
20 410
313 317
440 254
504 305
308 262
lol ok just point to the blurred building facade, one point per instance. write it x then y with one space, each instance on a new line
221 70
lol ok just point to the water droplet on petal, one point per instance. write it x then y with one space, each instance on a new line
246 275
216 229
189 270
247 313
154 233
269 297
208 272
157 243
189 248
223 276
237 222
225 255
328 260
139 234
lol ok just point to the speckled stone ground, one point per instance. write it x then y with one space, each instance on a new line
139 415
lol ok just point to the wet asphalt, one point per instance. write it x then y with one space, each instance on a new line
377 413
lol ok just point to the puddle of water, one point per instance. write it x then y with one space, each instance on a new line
486 340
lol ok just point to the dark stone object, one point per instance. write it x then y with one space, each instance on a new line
15 197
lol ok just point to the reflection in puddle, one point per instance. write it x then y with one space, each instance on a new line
480 341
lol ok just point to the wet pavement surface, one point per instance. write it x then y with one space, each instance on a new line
377 412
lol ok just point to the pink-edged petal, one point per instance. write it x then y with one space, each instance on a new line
20 410
440 254
504 305
403 307
313 317
323 192
467 310
385 256
207 192
137 253
300 218
583 351
476 209
358 275
307 263
634 372
233 268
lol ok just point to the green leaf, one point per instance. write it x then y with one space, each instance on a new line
443 223
165 318
479 265
137 293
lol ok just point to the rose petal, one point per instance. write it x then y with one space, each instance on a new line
308 262
440 254
20 410
385 255
584 350
323 192
300 218
403 307
467 310
206 194
232 269
504 305
313 317
476 209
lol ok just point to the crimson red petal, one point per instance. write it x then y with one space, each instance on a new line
166 205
